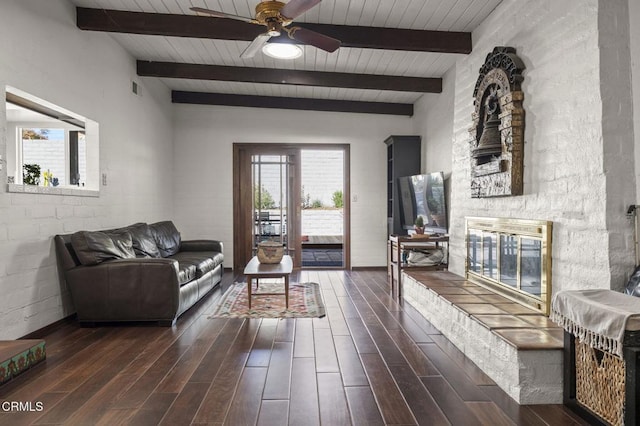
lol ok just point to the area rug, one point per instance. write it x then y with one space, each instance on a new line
305 301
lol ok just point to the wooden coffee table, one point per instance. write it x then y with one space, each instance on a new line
257 270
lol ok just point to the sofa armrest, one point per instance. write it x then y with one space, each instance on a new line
201 245
126 289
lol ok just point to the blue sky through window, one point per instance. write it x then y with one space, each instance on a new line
53 134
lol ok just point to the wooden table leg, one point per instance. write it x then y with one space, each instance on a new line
286 290
399 276
249 282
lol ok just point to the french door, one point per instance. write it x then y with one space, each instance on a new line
266 200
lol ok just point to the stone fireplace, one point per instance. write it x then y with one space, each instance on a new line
497 314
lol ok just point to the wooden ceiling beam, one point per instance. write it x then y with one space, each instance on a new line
288 77
307 104
176 25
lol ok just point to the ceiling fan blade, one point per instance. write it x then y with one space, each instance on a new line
295 8
217 14
255 46
313 38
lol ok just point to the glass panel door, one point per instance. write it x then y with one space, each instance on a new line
322 217
268 200
271 185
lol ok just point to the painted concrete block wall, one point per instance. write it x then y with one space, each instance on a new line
322 175
568 170
618 134
634 30
49 154
203 178
433 120
529 377
90 74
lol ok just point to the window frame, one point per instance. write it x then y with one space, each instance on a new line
63 119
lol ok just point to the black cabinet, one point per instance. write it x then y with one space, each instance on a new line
403 159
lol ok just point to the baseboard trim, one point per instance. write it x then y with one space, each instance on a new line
368 268
47 329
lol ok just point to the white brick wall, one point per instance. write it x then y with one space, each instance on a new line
322 222
578 162
433 120
322 174
50 155
529 377
578 171
88 73
634 20
617 129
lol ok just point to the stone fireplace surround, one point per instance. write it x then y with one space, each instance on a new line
496 316
518 348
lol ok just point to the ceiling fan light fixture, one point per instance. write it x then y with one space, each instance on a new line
277 16
274 27
282 50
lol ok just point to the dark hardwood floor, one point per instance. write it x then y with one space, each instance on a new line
370 361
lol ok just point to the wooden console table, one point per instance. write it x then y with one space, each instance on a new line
398 244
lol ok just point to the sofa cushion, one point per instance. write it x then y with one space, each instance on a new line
204 261
124 242
96 247
144 244
186 272
167 237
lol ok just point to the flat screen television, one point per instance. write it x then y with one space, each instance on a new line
423 195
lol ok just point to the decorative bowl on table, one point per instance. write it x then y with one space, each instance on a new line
270 252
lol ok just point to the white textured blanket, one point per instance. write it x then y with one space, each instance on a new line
597 317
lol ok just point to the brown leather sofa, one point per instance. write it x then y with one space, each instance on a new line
143 272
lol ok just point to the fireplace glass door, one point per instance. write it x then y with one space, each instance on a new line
512 257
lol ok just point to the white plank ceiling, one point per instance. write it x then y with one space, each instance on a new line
442 15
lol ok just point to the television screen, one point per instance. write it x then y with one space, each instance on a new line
423 195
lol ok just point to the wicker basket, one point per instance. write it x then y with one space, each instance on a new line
270 252
600 383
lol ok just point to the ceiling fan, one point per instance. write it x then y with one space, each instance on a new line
277 16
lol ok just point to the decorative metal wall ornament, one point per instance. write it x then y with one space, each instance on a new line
497 135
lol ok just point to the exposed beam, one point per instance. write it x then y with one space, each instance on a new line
289 77
226 29
395 38
200 98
